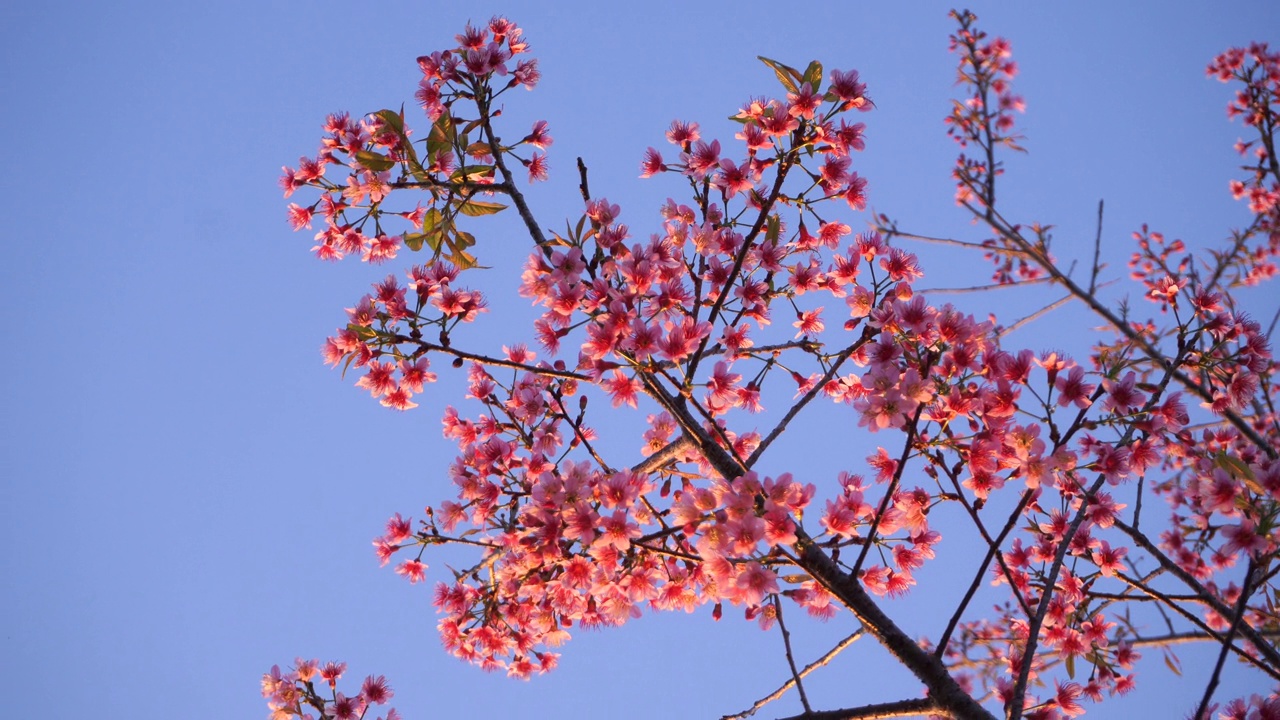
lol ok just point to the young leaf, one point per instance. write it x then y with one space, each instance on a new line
478 149
395 121
376 162
788 76
813 75
430 219
414 240
442 135
392 119
475 208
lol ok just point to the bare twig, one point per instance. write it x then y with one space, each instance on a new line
1207 632
1097 251
993 552
982 288
1241 605
508 180
867 333
1263 647
1037 314
492 361
791 660
958 243
782 690
582 185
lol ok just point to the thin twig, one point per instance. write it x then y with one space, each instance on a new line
993 552
486 360
1241 605
867 333
1266 649
1197 622
582 186
1037 314
960 243
791 660
983 288
782 690
1097 251
891 488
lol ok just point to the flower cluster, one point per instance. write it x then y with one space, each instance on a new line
453 168
388 318
295 693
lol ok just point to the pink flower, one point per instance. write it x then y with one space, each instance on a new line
539 137
1122 395
703 159
846 88
332 672
345 708
398 530
399 399
622 389
809 323
754 582
1109 559
537 166
379 380
682 134
415 570
651 164
1073 389
376 690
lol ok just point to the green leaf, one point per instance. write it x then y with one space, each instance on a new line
788 76
442 135
414 240
773 228
364 332
464 260
475 208
431 219
1240 471
376 162
434 239
1071 666
1171 662
395 121
392 120
468 172
813 75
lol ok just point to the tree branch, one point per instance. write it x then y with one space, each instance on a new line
899 709
820 662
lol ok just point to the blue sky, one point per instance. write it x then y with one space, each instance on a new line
187 494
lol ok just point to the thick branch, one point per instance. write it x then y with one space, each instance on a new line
899 709
943 689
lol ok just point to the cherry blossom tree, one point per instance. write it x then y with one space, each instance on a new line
751 300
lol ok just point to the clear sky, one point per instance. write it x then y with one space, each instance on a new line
187 495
